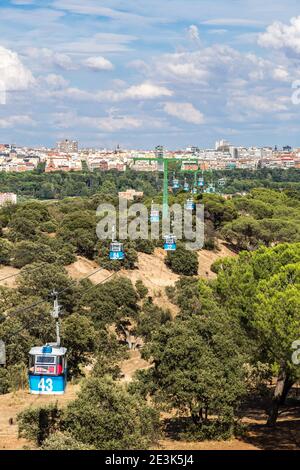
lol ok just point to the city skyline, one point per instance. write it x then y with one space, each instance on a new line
118 73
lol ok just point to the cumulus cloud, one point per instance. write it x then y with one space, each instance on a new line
282 36
184 111
98 63
281 74
54 81
193 33
143 91
218 66
14 75
258 103
50 57
21 120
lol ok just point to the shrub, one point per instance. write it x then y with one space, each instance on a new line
106 416
142 290
37 424
64 441
5 251
183 261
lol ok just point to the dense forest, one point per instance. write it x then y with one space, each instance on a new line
230 344
40 185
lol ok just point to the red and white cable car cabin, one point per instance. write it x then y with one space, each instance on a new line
47 370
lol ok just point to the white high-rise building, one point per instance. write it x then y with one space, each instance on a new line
67 146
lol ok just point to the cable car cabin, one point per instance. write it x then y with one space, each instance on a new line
200 182
116 251
47 370
176 184
190 205
211 189
194 191
186 187
170 243
154 215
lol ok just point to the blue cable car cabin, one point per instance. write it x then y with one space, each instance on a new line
47 370
176 184
186 186
169 243
200 182
116 251
190 205
211 189
154 215
195 191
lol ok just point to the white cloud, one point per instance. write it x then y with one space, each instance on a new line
93 7
184 111
110 123
233 22
145 91
11 121
282 36
98 63
281 74
259 103
14 75
99 43
193 33
218 66
54 81
50 57
117 123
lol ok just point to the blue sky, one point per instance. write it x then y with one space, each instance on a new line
148 72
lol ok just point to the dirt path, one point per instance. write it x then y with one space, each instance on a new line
13 403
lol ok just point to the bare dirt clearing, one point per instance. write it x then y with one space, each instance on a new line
152 271
286 435
13 403
131 365
207 258
8 271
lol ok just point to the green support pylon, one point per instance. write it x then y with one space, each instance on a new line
165 162
166 188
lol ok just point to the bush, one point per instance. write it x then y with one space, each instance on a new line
64 441
49 227
187 430
183 262
144 246
39 423
106 416
27 252
142 290
5 251
4 381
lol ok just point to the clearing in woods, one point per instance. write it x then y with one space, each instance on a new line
286 435
156 276
153 272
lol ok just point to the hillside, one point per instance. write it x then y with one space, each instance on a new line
152 271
